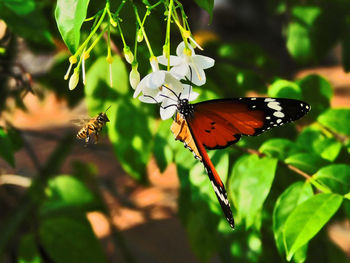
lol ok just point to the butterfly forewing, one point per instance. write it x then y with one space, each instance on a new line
220 123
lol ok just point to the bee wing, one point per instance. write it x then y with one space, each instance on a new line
80 121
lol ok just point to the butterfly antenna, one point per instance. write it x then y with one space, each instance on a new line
167 97
149 96
178 97
189 92
171 105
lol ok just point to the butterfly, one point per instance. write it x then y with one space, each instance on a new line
217 124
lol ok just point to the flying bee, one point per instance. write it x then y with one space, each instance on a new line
92 127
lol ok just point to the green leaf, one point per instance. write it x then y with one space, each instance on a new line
335 119
299 42
70 239
70 15
131 123
307 220
317 91
284 89
6 149
27 20
279 148
98 92
307 162
66 192
164 145
314 140
28 251
207 5
199 208
249 185
20 7
130 132
285 205
336 177
313 31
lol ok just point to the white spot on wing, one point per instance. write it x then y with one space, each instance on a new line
269 99
274 106
279 120
221 195
278 114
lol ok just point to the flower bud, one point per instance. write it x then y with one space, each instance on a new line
129 57
134 76
86 55
154 63
139 35
73 59
109 59
73 81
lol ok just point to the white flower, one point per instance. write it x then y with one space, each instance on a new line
188 64
156 90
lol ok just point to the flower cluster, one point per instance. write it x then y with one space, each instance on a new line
165 87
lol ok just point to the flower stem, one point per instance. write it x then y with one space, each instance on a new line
143 31
80 49
167 38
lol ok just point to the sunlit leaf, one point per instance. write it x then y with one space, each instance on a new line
336 177
313 140
67 192
335 120
307 220
70 239
284 89
70 15
250 183
98 92
285 205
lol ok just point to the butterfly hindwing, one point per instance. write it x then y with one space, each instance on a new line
220 123
183 132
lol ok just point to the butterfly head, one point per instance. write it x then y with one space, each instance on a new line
185 108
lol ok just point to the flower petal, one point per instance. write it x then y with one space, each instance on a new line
143 83
198 76
203 61
167 112
180 49
156 79
180 71
188 93
173 86
174 60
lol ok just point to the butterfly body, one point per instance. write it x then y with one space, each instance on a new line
216 124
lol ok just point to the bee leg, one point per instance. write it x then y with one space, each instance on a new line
87 139
96 137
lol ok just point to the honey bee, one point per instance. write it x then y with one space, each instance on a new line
92 127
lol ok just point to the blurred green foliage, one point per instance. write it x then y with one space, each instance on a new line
290 184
